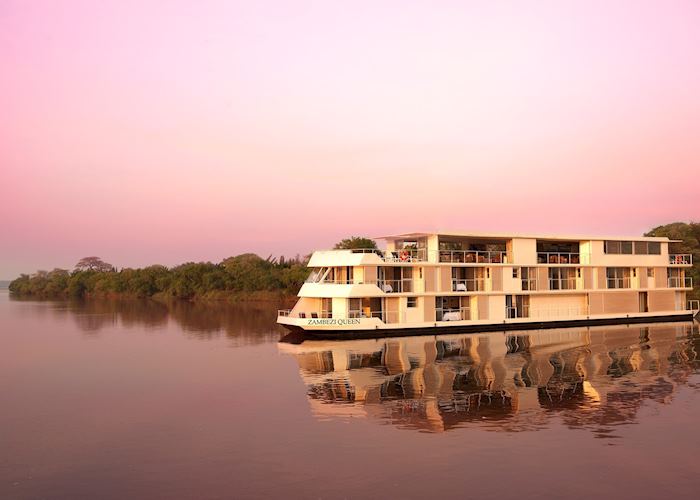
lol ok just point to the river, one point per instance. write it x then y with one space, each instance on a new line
137 399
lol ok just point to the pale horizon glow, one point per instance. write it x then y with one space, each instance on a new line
167 132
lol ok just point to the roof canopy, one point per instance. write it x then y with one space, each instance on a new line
555 237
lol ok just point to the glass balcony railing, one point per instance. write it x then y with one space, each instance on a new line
456 314
399 255
288 313
680 259
396 286
468 285
558 258
473 256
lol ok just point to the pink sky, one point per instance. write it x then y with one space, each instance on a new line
168 131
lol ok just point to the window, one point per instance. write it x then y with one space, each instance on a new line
612 247
515 273
326 308
412 302
355 308
578 272
630 247
420 273
618 277
562 278
527 278
634 272
451 308
650 272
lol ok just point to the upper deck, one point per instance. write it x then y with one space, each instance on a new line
475 249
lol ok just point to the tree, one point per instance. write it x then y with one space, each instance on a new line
689 234
93 264
355 243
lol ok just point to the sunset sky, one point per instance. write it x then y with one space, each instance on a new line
169 131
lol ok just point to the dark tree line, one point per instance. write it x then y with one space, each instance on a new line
240 275
689 234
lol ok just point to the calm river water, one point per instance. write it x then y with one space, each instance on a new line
141 400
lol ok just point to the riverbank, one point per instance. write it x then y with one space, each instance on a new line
245 277
221 297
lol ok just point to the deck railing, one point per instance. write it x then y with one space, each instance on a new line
468 285
453 314
680 259
333 281
406 255
362 314
473 256
693 305
676 282
558 258
396 286
399 255
288 313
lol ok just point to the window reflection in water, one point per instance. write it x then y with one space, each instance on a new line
591 378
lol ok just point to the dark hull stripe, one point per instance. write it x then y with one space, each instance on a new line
496 327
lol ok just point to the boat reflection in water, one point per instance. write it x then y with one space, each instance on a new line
593 378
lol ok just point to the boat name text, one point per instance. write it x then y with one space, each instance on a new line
335 321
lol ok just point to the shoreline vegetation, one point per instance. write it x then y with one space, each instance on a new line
247 277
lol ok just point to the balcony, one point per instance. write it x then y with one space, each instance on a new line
457 314
396 286
473 256
384 316
558 258
287 313
406 255
468 285
686 282
680 259
365 257
333 281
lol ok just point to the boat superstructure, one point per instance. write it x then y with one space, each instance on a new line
473 282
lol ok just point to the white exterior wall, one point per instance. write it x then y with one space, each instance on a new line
340 307
600 258
524 251
497 307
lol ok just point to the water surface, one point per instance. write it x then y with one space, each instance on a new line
138 399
